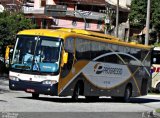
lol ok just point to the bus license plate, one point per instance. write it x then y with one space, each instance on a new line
30 90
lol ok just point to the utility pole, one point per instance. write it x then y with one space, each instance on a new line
117 18
147 22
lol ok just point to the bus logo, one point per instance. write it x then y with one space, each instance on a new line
106 69
98 68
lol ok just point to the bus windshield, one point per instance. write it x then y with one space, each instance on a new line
36 53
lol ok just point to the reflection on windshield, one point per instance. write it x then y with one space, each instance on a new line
36 53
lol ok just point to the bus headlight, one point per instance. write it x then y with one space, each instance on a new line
14 78
49 82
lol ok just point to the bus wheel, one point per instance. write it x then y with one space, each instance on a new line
127 94
158 87
35 95
76 92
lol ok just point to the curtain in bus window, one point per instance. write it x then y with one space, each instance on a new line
82 49
137 54
97 49
69 45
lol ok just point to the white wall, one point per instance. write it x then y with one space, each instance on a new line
122 3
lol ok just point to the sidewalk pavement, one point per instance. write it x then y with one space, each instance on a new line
4 76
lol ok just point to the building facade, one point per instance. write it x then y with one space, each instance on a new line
95 15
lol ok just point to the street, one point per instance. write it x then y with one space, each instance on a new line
15 101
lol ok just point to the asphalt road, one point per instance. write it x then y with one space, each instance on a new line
20 105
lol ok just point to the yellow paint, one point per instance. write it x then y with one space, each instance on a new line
77 68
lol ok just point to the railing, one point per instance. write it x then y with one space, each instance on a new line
86 14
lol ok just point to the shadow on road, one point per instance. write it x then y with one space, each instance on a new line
100 100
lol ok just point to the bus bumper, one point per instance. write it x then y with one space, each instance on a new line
33 87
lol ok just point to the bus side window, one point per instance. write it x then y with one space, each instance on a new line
83 48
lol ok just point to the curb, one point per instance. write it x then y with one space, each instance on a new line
158 95
152 114
156 115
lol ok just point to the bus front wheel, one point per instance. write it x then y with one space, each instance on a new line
35 95
76 93
127 94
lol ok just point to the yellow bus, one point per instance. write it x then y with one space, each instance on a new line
74 62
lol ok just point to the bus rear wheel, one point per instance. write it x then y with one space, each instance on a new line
35 95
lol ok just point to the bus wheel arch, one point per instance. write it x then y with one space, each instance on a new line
78 90
158 87
127 93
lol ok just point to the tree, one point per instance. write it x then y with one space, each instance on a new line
10 24
156 17
138 13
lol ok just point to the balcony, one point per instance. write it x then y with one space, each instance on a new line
31 10
86 14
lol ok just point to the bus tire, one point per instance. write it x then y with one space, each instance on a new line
127 94
76 92
35 95
158 88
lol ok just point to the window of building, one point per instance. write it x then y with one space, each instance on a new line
99 24
43 3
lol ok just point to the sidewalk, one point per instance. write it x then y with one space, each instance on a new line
156 115
4 76
4 84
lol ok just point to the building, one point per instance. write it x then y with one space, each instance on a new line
77 15
11 5
123 24
95 15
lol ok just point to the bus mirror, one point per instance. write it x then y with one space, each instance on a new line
65 57
7 53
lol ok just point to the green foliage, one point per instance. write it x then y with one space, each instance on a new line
157 44
156 15
158 110
137 15
10 24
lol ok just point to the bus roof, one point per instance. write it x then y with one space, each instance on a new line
67 32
